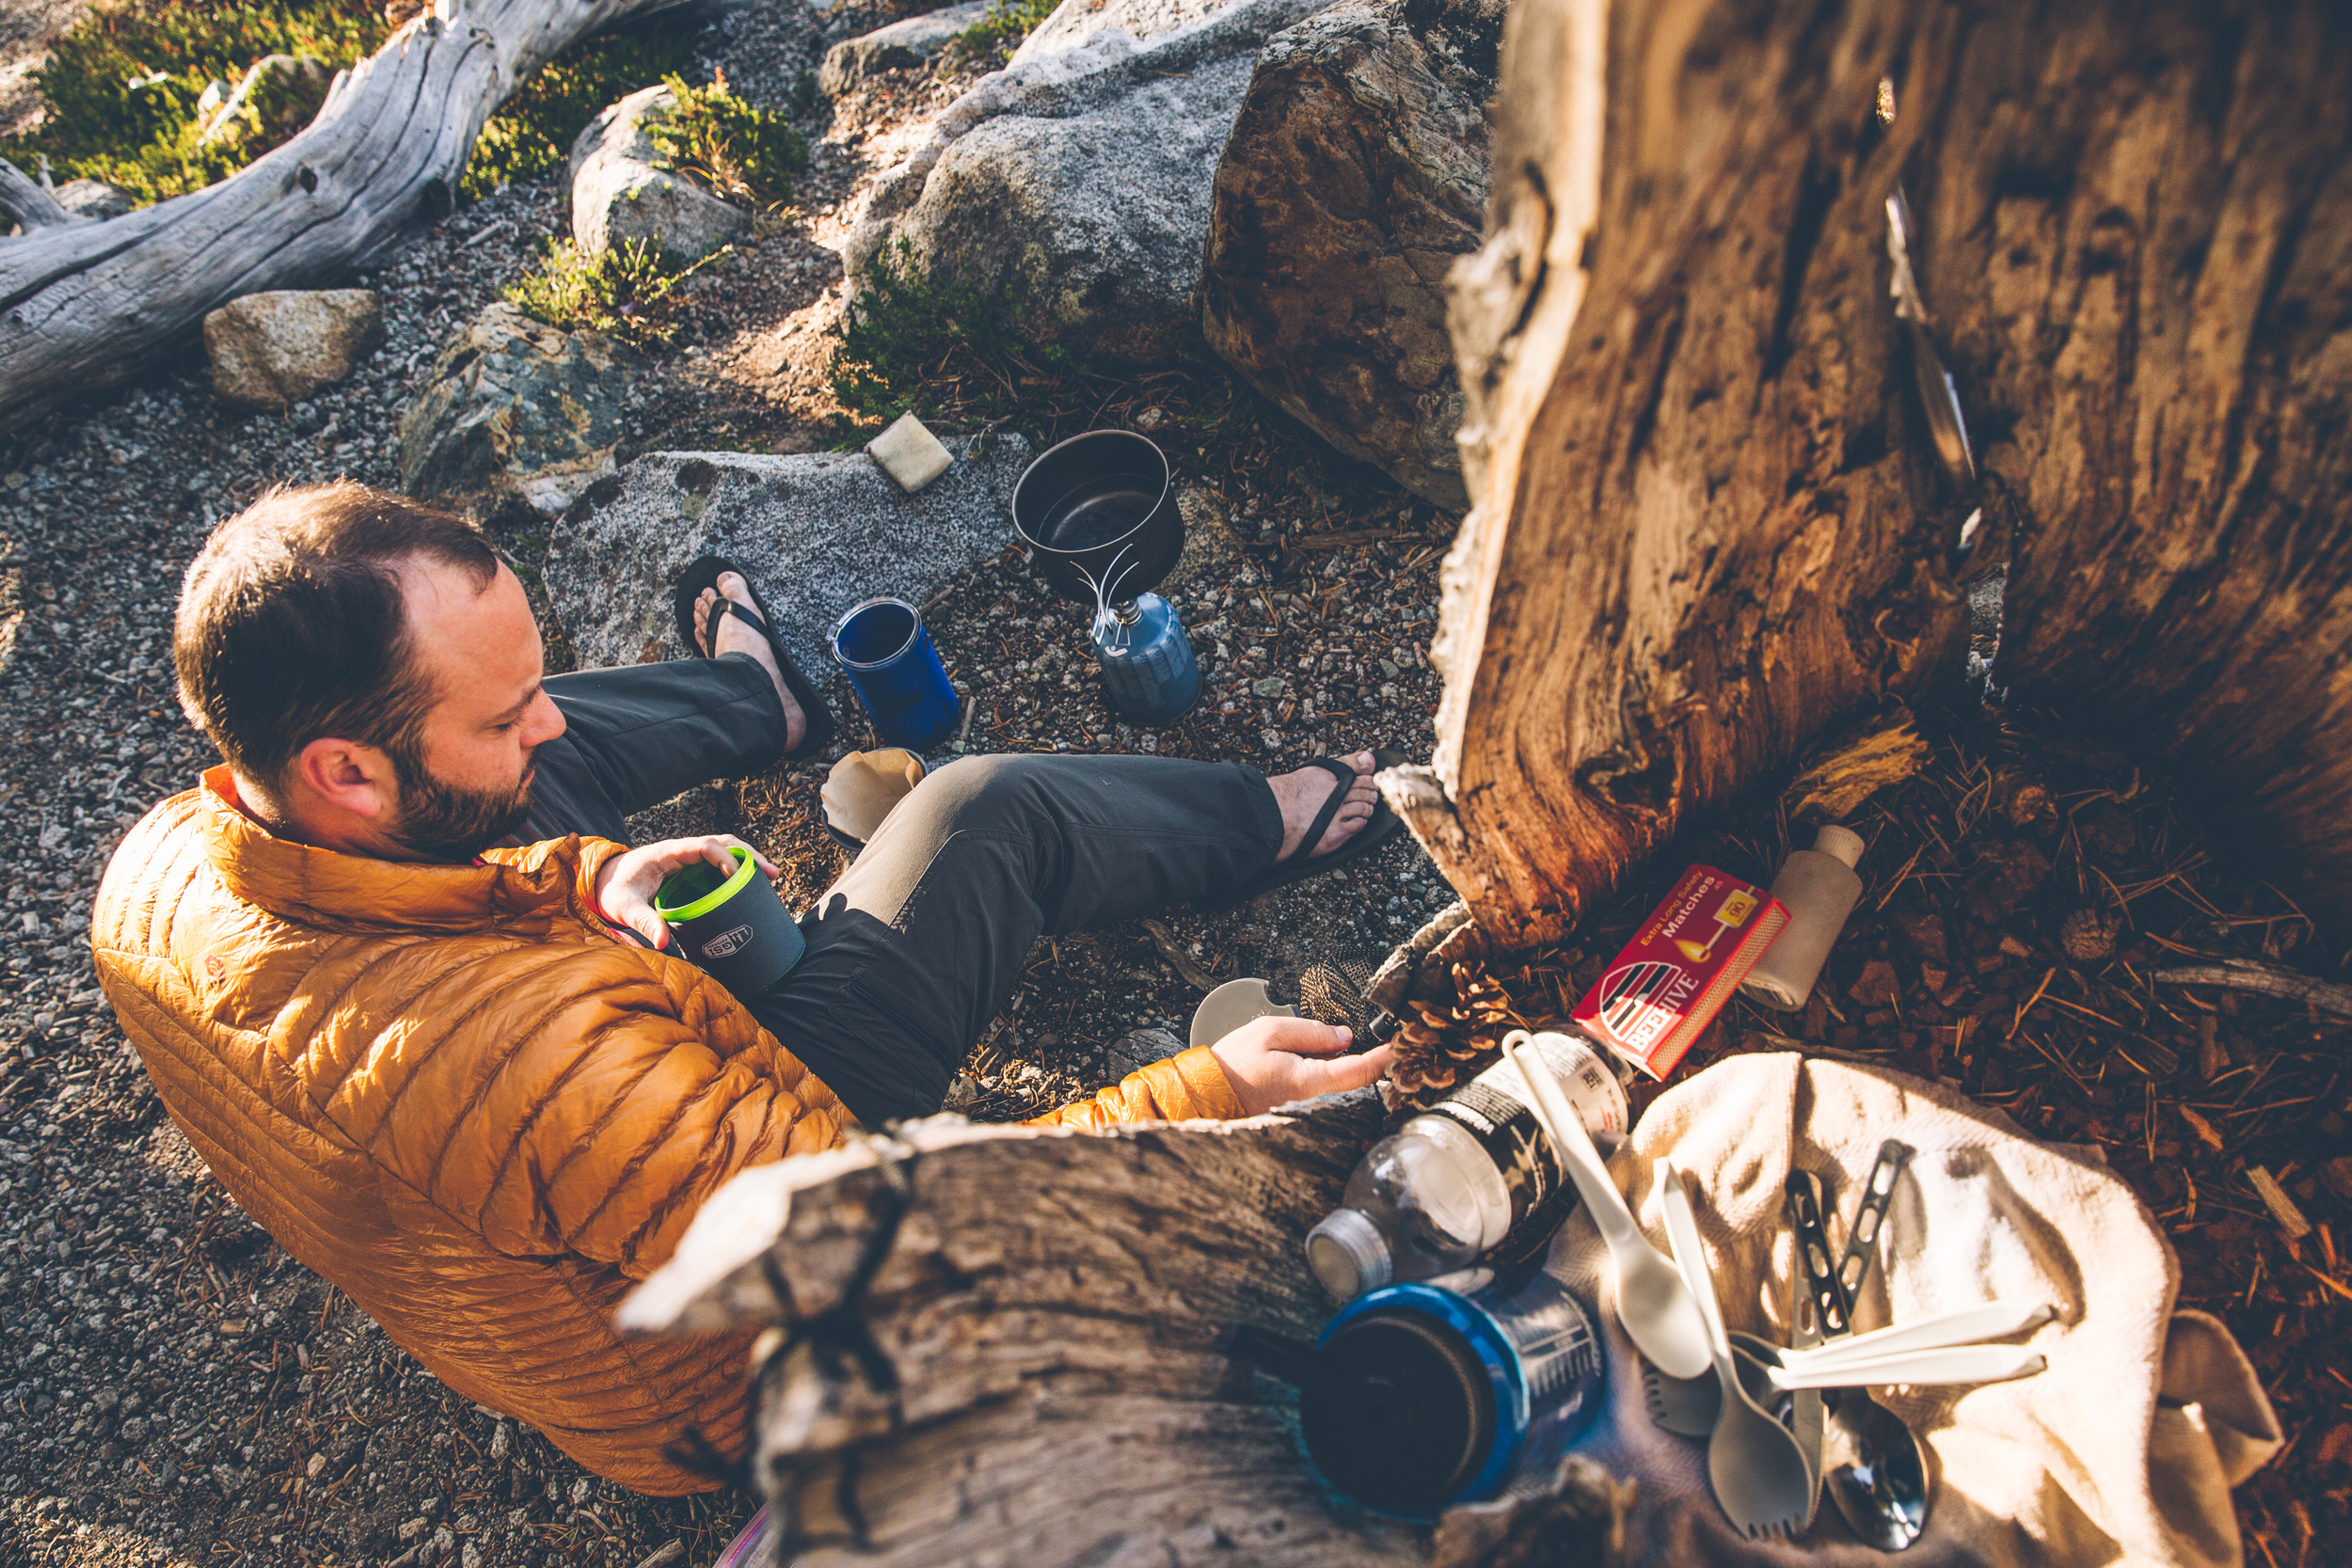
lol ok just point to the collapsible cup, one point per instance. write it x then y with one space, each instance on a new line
885 650
734 927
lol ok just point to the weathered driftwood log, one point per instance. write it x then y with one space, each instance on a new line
85 306
1039 1371
1708 518
28 203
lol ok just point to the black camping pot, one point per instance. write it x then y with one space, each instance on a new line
1099 509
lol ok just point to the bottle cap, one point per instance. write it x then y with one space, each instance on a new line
1399 1411
1842 844
1348 1254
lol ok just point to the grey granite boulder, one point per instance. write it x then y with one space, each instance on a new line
818 531
1077 185
1073 21
94 199
516 414
272 350
900 46
619 193
1356 175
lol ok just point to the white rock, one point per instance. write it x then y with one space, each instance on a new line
94 199
619 195
1078 182
1073 21
273 350
898 47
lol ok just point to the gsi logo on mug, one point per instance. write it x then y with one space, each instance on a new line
726 942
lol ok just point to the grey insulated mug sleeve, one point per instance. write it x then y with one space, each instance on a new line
734 928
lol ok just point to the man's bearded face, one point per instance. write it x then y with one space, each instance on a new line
447 822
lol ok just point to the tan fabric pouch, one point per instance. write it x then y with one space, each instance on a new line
864 787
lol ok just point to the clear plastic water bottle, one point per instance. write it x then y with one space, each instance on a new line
1148 668
1459 1180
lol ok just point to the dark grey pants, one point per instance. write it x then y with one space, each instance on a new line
922 940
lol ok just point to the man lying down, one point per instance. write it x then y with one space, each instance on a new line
375 962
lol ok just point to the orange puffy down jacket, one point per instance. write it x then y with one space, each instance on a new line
447 1090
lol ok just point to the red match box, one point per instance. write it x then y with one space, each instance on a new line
1658 995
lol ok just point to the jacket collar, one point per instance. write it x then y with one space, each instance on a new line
328 888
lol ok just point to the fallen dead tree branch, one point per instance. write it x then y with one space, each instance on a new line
2246 975
26 202
85 306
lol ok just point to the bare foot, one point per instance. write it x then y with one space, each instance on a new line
1301 795
736 636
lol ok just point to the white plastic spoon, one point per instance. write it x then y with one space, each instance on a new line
1653 1303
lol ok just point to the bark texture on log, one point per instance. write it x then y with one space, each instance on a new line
1708 522
2138 243
1050 1380
1700 533
85 306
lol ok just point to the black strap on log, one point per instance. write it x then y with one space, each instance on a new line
841 1341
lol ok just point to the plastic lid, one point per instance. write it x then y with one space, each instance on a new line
1398 1411
1348 1254
1843 844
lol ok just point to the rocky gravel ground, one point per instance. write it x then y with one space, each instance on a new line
174 1389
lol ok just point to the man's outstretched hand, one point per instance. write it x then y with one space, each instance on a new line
626 884
1273 1061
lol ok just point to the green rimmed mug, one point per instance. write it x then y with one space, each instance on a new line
733 926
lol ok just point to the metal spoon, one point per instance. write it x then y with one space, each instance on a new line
1653 1304
1762 1479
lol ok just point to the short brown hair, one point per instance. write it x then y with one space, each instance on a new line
292 625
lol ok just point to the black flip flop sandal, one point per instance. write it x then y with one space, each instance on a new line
1384 825
704 573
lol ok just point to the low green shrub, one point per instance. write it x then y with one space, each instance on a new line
951 354
737 150
627 290
993 38
946 351
122 90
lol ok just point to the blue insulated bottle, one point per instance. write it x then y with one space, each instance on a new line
1418 1396
1148 668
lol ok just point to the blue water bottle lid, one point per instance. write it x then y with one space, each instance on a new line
1414 1400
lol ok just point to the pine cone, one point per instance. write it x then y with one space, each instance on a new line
1445 1046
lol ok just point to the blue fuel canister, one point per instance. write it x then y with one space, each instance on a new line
1147 666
